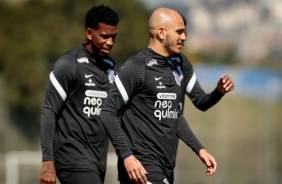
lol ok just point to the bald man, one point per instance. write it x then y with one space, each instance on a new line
143 110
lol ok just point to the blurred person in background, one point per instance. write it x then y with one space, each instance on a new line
143 111
73 140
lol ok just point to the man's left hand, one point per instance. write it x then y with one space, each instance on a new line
225 84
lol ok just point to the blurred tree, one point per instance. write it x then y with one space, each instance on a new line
35 33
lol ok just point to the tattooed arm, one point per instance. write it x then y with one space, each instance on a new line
48 173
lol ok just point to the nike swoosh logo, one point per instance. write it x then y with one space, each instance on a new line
87 76
158 78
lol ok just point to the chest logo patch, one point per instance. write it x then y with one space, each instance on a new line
93 102
90 83
176 69
111 75
158 78
87 76
164 106
178 75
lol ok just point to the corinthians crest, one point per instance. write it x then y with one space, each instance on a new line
111 75
176 70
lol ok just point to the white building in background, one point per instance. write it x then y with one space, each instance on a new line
253 26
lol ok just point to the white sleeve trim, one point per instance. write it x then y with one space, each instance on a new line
121 89
57 86
191 83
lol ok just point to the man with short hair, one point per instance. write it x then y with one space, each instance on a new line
74 143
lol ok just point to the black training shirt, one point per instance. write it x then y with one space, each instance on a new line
71 131
143 111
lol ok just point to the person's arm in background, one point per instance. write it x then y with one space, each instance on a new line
56 94
185 133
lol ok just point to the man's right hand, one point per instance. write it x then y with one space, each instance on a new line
209 161
135 170
48 173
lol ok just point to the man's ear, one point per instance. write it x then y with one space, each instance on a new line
161 33
88 33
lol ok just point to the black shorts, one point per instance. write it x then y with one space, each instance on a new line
152 178
71 177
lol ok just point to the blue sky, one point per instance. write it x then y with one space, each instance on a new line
255 83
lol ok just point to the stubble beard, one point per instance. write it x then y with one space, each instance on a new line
169 44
